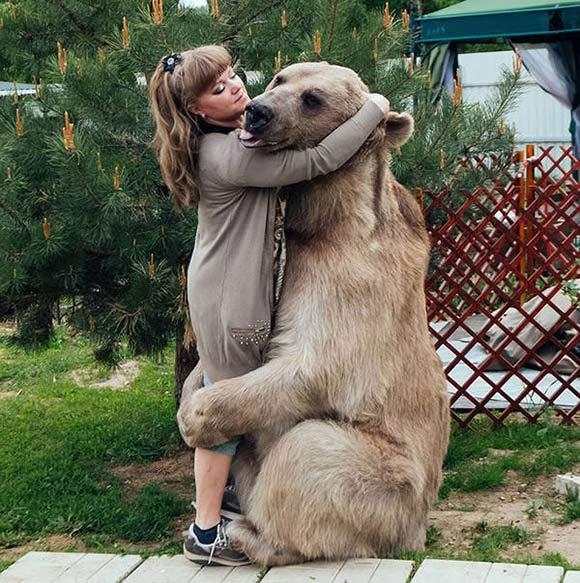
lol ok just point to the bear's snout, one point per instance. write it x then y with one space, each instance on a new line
258 116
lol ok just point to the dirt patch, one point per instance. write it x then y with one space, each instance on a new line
122 376
533 505
8 394
66 543
53 542
7 328
174 473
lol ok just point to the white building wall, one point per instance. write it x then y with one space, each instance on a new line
537 117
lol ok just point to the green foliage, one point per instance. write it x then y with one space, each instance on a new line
424 6
571 289
29 32
65 227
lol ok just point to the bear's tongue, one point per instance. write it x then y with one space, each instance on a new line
249 140
246 135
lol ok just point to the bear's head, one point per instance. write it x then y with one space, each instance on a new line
304 102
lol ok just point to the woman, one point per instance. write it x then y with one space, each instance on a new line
236 268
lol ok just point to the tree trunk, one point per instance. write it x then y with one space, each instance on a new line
34 323
186 358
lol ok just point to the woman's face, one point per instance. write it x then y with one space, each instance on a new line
224 102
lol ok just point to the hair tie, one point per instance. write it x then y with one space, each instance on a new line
169 61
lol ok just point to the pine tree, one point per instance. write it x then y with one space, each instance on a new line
83 211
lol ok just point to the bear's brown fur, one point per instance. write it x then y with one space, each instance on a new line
347 423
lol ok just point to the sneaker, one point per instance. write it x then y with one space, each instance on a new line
230 506
217 553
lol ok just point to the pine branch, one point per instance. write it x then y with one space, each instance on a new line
269 7
12 214
432 147
71 16
332 25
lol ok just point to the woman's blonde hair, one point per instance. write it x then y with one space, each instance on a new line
177 134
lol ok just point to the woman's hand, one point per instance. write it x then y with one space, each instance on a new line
381 101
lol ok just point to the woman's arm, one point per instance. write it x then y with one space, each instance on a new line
241 166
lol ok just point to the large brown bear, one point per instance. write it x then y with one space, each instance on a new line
347 423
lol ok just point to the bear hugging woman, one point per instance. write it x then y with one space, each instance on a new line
346 425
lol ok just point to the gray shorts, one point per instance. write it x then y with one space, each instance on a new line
229 447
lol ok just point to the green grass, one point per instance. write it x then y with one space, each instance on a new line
470 444
572 510
487 544
489 541
5 564
60 441
552 559
531 449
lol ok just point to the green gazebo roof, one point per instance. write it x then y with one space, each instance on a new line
474 20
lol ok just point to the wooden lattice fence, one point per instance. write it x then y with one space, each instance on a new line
512 239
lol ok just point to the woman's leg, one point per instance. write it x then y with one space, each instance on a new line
211 470
204 542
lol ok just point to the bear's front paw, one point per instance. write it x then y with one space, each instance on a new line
197 424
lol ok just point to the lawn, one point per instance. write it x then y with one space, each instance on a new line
101 469
59 443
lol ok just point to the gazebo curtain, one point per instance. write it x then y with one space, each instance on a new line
442 62
555 65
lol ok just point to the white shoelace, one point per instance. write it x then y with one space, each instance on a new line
221 540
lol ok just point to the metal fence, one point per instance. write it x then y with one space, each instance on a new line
501 293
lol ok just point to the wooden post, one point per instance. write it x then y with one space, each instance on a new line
530 152
522 228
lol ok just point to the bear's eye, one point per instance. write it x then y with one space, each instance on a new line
311 100
278 81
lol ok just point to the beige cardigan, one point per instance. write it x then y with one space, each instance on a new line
230 275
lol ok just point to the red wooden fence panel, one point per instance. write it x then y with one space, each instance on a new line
513 239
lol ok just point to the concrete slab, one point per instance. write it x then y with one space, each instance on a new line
87 566
506 573
106 568
40 567
435 570
36 566
568 484
313 572
116 570
164 569
391 571
543 574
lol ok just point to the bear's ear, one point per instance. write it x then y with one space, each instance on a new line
400 127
